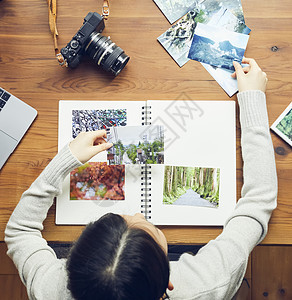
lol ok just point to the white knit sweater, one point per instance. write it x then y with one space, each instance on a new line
216 272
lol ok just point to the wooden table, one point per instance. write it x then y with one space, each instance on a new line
30 71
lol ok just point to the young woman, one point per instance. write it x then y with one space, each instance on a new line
125 257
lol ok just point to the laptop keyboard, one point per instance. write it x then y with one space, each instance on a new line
4 97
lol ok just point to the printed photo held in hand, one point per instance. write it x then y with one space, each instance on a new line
224 78
217 46
136 145
249 77
191 186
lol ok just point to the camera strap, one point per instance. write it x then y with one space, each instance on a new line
52 5
105 9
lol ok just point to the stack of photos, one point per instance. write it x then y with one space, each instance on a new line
136 145
283 125
191 186
225 14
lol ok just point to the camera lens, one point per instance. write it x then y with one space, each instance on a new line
106 53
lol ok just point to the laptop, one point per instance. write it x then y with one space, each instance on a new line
15 119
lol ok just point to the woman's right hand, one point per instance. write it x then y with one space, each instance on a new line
250 77
88 144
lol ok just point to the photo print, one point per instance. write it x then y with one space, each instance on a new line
224 18
212 7
175 9
283 125
224 79
136 145
97 181
91 120
191 186
177 40
217 46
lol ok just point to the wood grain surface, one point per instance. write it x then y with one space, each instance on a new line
271 272
30 71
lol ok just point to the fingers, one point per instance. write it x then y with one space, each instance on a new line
93 137
100 147
99 141
98 134
251 62
238 69
245 70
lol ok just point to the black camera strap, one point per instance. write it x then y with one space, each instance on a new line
52 5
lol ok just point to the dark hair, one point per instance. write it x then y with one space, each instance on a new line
114 262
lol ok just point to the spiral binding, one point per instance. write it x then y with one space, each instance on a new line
145 115
146 172
146 191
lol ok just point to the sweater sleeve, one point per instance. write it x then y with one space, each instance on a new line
216 272
26 246
259 191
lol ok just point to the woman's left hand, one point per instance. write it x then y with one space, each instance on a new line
88 144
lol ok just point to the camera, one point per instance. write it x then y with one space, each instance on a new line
88 40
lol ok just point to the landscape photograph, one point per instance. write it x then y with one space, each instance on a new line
226 19
191 186
97 181
177 40
136 145
211 7
91 120
217 46
224 79
285 125
175 9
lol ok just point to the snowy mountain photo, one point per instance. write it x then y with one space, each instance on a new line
217 46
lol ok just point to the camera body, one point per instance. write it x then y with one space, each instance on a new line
88 40
74 51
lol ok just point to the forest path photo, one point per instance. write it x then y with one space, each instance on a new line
191 183
191 198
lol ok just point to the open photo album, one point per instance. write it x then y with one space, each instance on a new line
173 161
